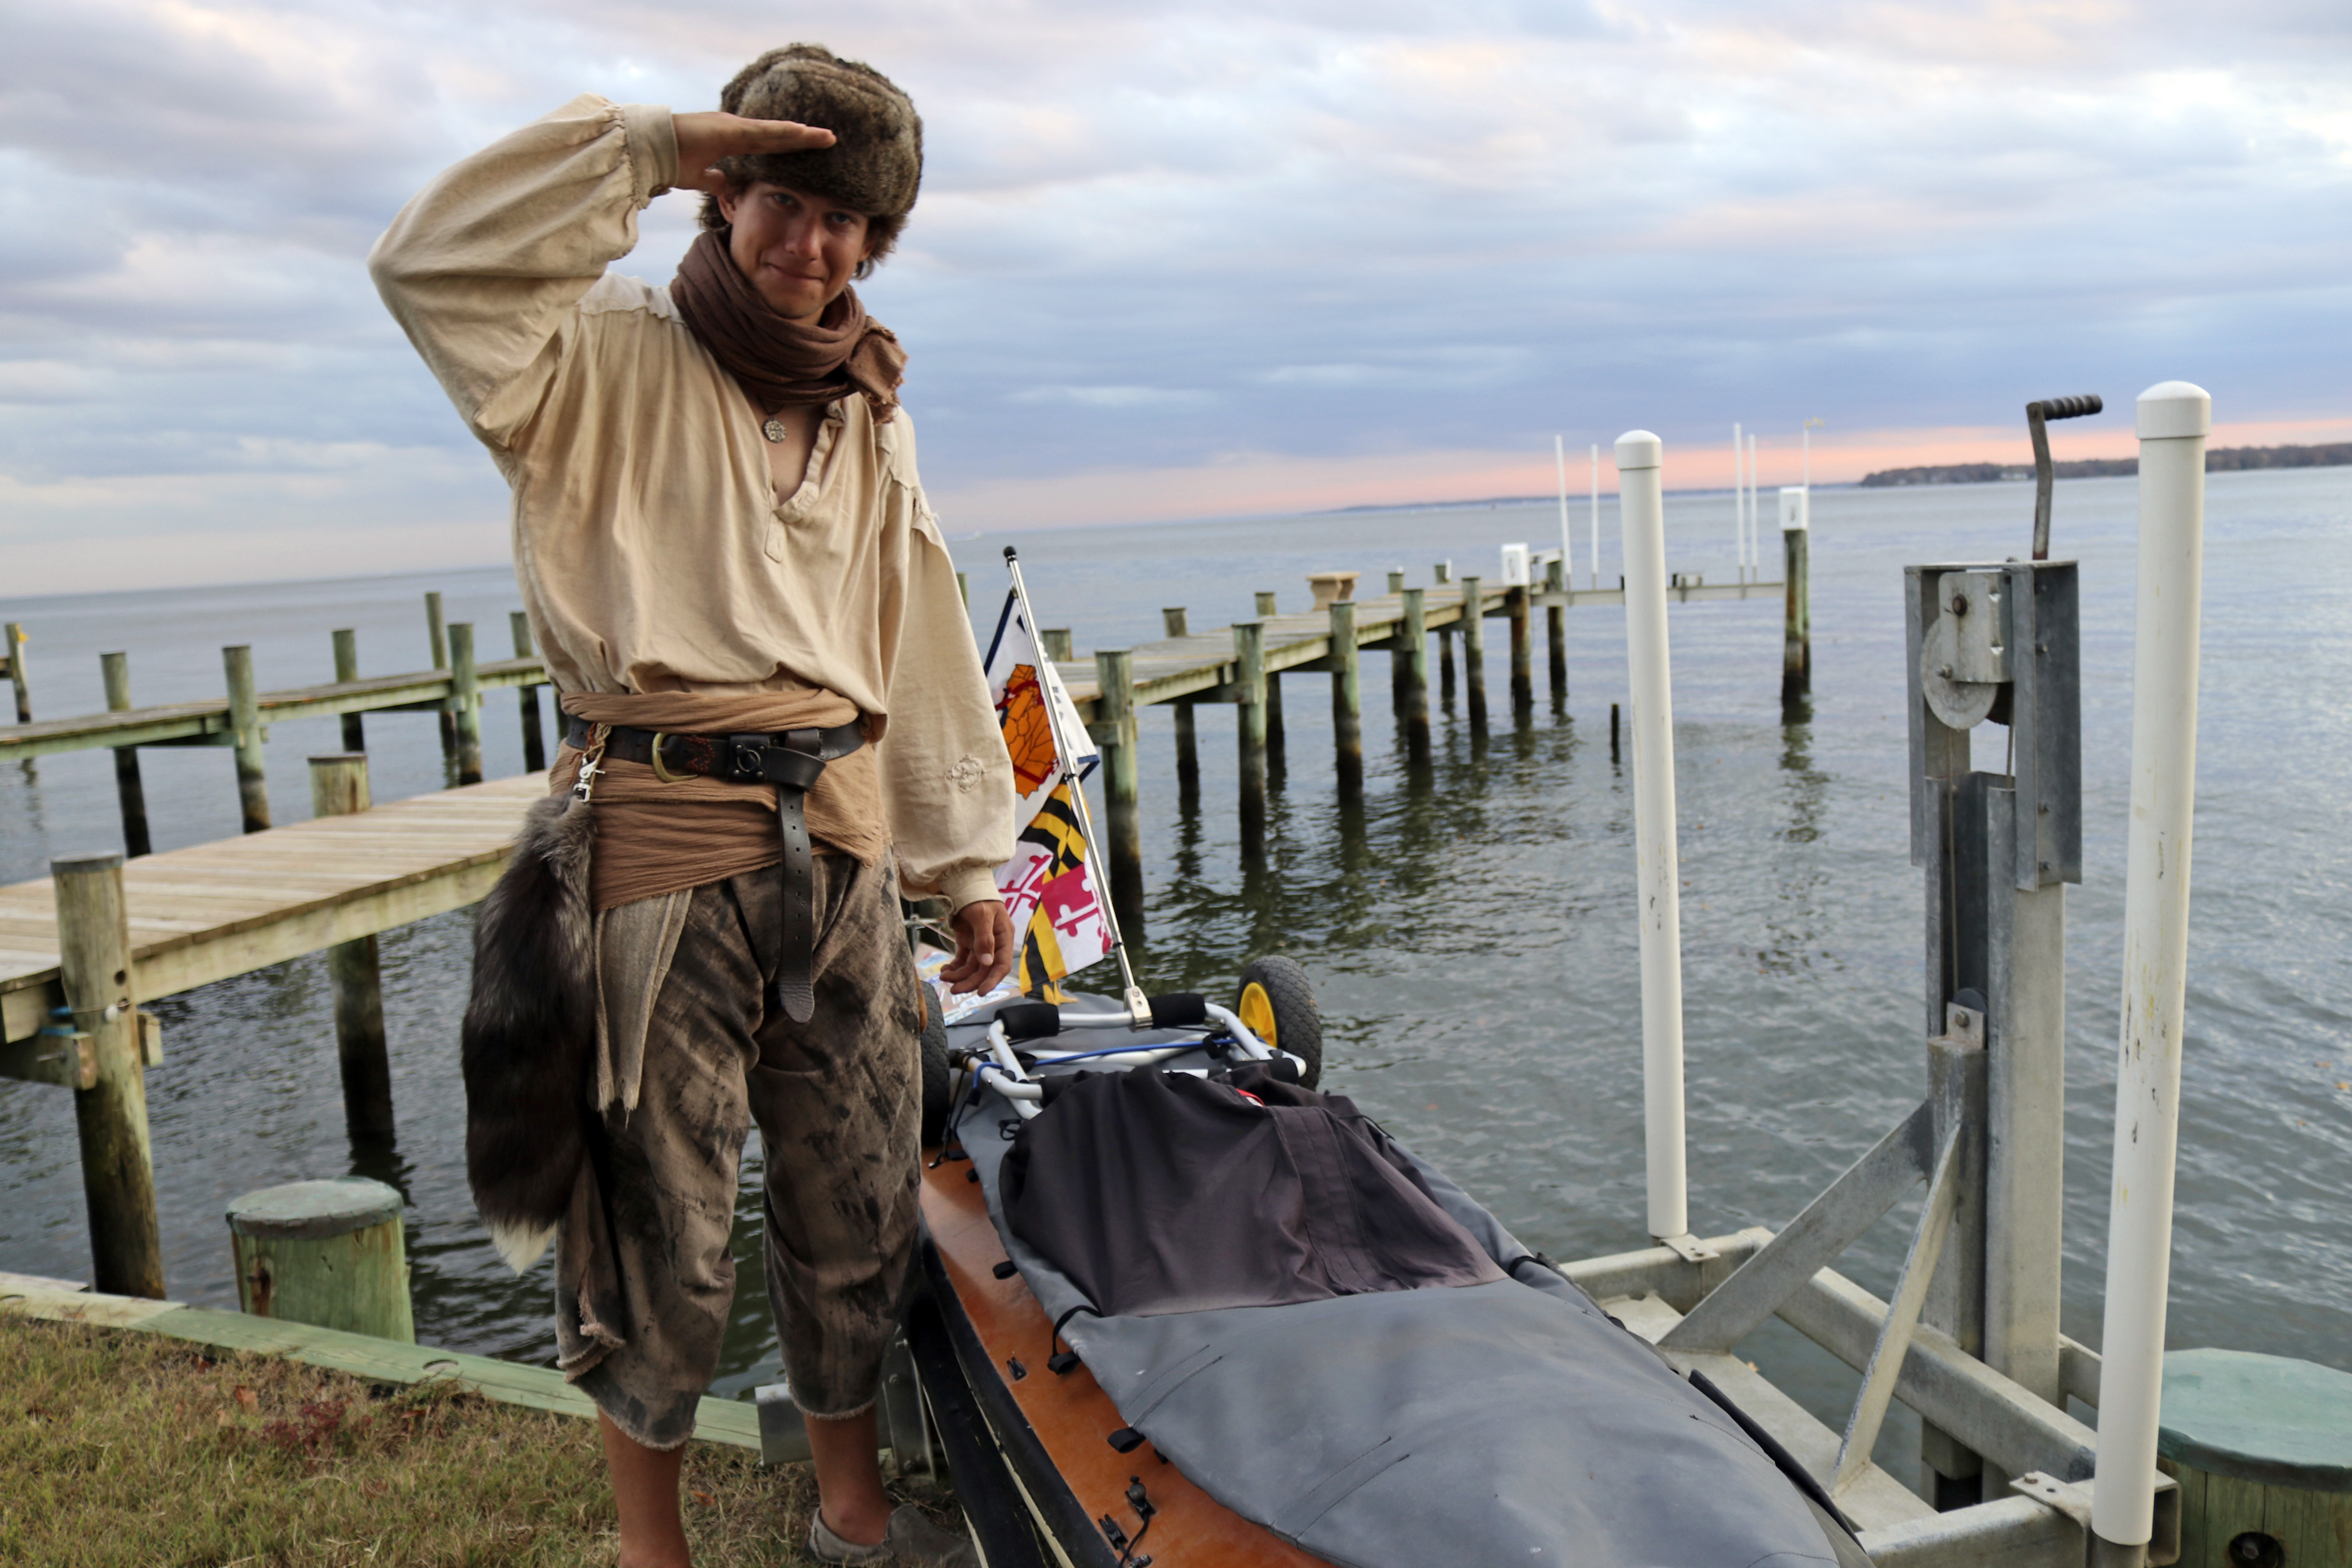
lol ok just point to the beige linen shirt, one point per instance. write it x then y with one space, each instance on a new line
652 549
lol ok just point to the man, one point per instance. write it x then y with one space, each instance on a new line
773 698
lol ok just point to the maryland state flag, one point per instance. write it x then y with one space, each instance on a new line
1048 887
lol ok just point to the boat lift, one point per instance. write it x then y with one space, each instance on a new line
1970 1341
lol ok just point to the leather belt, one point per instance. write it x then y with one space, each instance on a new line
793 761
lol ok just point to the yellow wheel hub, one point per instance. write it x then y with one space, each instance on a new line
1257 1013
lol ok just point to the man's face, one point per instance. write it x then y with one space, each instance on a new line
799 250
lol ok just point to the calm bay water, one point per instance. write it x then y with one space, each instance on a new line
1470 927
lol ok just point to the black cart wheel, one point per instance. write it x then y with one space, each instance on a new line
934 1043
1276 1002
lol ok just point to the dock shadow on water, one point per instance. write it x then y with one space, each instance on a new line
1467 917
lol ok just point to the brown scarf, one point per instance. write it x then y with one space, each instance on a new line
783 364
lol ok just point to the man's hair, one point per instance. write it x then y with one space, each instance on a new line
876 163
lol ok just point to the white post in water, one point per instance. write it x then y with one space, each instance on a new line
1567 543
1596 514
1755 525
1640 509
2174 420
1738 511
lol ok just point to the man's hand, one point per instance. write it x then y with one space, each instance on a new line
983 953
704 139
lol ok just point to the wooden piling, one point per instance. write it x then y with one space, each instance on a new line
244 723
1055 643
1796 617
1473 647
1249 658
1346 702
1115 733
331 1254
534 739
466 702
339 787
1556 628
347 667
117 1167
1412 658
116 670
1396 581
436 632
11 644
1612 731
1188 744
1523 660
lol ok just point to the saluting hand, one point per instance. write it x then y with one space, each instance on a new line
705 138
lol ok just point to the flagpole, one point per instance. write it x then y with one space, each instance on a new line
1138 1007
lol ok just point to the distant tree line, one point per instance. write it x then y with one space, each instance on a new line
2332 455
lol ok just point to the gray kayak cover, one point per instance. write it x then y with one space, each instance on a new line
1505 1422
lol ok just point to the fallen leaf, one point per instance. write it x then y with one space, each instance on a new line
706 1500
247 1398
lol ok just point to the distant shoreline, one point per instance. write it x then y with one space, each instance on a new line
2220 459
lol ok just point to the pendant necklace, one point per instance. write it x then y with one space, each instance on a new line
773 429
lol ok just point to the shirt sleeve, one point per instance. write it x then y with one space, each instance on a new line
485 269
947 780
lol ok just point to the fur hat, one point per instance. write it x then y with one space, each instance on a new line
875 164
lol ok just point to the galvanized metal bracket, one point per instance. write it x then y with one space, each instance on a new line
1689 1249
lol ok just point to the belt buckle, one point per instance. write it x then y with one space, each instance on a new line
653 753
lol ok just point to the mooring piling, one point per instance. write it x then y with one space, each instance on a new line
245 725
1054 642
1267 610
1797 615
347 667
1642 509
1114 732
1556 620
1249 708
1174 622
12 645
1441 573
534 740
333 1254
1411 659
465 705
1613 733
118 1165
1473 648
2175 419
437 634
339 787
1347 701
115 668
1523 652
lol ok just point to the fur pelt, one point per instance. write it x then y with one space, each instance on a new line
528 1045
875 164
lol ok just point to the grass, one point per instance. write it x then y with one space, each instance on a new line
130 1449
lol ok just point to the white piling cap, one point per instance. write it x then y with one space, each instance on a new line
2175 410
1639 449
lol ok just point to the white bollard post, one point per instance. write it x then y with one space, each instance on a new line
1739 512
2174 420
1596 514
1641 508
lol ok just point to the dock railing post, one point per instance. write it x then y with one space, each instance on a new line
2175 418
244 723
1115 733
115 668
347 667
1346 702
13 636
1797 612
437 632
1523 653
1642 508
1249 710
1174 622
339 787
118 1166
1555 626
1413 661
466 702
1473 647
534 739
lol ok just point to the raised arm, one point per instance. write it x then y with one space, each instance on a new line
484 268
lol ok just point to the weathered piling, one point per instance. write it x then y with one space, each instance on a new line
437 633
1187 741
116 670
1797 614
1555 627
347 667
1274 754
1443 572
534 739
1249 712
1115 733
1473 647
1055 643
244 724
1523 655
1347 701
1613 733
465 706
12 647
1396 580
117 1167
339 787
331 1254
1412 658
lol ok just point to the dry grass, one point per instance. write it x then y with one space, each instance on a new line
131 1448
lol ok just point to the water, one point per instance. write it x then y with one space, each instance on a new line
1470 927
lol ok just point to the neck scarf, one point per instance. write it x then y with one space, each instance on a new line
783 363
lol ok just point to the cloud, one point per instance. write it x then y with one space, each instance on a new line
1352 240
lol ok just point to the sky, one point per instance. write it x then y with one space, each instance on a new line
1227 257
